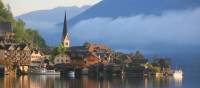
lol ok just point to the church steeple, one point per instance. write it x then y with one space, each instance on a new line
65 38
64 26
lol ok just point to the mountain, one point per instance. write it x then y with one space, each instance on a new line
52 15
126 8
44 21
103 22
147 25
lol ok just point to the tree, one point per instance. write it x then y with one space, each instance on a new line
5 14
19 31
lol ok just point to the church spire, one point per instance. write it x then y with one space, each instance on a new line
65 38
65 26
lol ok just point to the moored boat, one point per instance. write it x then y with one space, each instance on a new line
71 74
43 71
178 74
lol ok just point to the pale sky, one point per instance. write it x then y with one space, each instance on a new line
19 7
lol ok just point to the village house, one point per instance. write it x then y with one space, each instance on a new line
37 57
16 54
98 47
98 53
13 54
77 54
89 55
47 54
62 59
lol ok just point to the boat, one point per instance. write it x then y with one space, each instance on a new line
71 74
43 71
178 74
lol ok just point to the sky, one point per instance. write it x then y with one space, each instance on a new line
19 7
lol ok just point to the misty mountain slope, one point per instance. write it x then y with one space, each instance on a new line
44 21
52 15
177 27
126 8
173 31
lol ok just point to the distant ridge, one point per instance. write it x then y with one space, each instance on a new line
126 8
45 21
52 15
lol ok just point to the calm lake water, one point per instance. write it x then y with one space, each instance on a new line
191 80
45 81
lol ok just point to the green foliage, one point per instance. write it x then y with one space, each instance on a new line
61 48
19 31
33 37
22 34
27 35
5 14
58 50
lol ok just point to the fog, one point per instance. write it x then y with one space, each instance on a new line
168 32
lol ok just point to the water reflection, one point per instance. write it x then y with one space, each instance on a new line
178 81
49 81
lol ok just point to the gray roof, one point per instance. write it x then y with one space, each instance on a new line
6 27
77 49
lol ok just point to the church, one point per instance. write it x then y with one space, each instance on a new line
63 58
81 55
65 37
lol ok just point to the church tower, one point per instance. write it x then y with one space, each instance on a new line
65 38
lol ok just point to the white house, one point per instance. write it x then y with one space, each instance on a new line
61 59
36 58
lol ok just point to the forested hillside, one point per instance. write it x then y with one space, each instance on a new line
22 34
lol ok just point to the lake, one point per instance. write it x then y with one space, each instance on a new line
50 81
191 80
